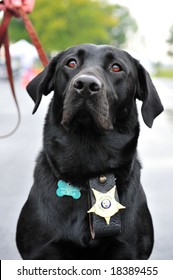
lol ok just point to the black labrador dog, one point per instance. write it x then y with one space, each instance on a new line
87 201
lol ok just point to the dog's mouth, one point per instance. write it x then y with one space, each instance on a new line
87 116
83 117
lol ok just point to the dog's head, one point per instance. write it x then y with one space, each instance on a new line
94 84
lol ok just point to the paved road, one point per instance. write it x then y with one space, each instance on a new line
18 153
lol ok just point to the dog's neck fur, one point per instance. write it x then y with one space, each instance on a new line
101 152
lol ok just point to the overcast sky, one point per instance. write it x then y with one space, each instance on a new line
154 19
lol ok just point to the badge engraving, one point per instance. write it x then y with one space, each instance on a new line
106 206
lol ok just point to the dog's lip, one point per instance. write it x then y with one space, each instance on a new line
80 115
85 118
85 113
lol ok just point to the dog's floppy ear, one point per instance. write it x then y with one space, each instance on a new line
43 83
146 92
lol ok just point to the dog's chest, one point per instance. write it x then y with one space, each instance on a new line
74 221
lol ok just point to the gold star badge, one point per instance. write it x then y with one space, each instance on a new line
106 206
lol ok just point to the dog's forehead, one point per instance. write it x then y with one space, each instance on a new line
97 51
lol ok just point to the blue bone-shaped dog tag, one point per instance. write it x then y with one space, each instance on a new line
67 189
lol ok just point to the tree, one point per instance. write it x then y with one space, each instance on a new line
63 23
170 42
125 27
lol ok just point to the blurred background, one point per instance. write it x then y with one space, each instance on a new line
145 30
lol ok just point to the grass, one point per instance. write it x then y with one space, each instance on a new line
164 73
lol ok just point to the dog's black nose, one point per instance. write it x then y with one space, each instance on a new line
87 85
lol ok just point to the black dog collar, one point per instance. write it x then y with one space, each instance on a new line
104 218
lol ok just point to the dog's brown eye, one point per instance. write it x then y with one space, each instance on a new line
72 63
116 68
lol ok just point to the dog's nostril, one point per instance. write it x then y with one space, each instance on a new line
94 87
78 85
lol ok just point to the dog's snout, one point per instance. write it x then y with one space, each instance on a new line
87 85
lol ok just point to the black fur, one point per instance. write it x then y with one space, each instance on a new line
91 129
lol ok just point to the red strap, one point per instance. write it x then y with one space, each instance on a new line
10 77
4 26
33 35
4 40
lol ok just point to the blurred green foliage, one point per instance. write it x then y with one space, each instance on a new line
63 23
162 71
